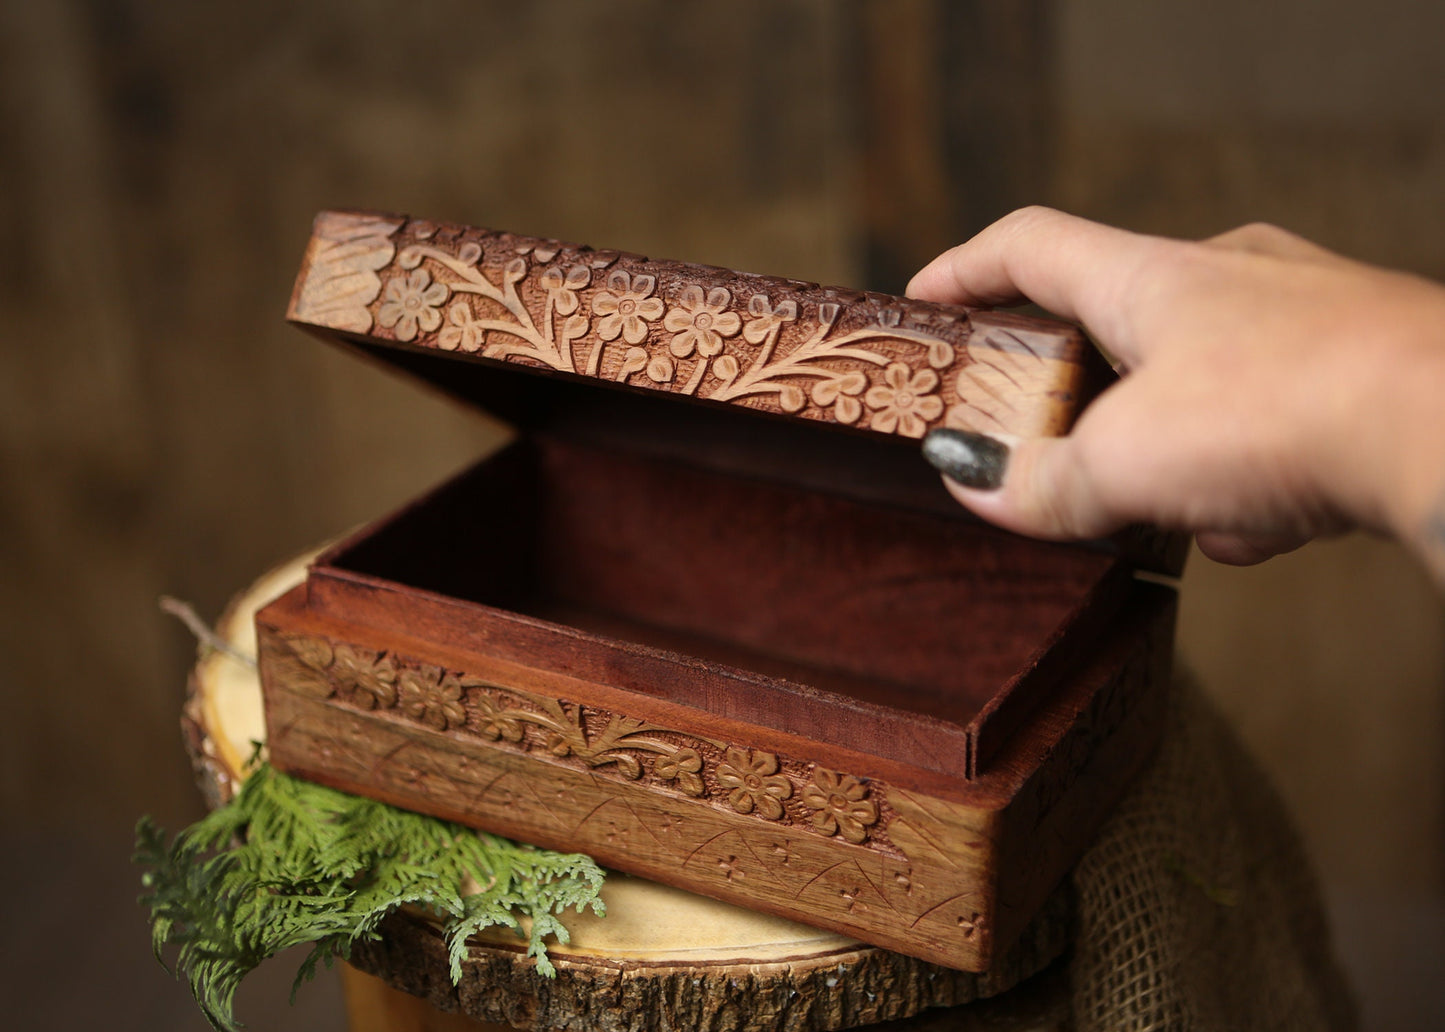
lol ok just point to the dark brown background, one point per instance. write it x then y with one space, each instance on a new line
161 429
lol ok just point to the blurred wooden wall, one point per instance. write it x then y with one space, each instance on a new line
161 430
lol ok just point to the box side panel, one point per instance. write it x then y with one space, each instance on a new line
1101 733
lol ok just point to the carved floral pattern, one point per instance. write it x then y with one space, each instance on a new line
841 805
903 402
626 307
366 679
822 354
462 332
562 287
842 393
411 302
753 783
433 697
700 323
747 781
683 767
497 723
766 318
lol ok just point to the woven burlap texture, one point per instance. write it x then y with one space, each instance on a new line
1197 906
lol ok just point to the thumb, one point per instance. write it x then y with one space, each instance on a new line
1038 487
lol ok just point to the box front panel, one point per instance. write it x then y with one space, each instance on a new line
772 832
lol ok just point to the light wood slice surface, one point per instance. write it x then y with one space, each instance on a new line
662 958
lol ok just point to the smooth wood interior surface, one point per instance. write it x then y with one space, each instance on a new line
898 608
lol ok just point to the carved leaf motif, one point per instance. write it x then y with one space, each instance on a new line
342 279
469 253
660 369
996 386
682 767
929 831
633 361
314 652
791 398
725 368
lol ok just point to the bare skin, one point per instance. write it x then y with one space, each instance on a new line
1274 391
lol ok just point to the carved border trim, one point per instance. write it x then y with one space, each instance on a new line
767 786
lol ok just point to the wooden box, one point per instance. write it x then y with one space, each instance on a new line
712 619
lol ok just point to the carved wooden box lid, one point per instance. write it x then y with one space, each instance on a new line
871 362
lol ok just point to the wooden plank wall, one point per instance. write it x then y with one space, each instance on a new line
162 431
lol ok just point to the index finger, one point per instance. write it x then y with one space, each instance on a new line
1075 268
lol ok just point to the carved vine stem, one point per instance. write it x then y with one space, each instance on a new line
540 346
756 379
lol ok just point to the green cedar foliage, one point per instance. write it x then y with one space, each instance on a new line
288 862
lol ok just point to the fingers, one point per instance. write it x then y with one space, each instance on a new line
1075 268
1042 488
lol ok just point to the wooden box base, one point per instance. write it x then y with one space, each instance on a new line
880 721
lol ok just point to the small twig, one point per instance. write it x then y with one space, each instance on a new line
183 612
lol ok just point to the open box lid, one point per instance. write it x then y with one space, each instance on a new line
680 351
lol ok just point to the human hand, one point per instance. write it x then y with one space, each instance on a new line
1273 391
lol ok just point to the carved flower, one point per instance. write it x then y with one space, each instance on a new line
563 288
462 332
701 323
433 697
905 404
682 767
765 317
753 783
626 306
409 302
842 393
366 680
842 805
496 722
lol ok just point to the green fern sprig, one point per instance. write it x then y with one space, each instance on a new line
287 863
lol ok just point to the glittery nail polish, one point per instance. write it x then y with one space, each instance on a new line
973 460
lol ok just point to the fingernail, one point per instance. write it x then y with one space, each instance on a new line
973 460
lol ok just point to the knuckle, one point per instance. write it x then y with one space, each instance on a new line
1263 237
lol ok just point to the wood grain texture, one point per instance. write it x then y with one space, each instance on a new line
865 988
875 362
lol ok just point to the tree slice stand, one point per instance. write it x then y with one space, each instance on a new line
662 959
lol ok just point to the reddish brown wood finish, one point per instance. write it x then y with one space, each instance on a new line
762 662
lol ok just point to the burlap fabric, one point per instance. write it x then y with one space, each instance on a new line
1197 906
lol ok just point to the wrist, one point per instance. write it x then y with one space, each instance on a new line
1404 401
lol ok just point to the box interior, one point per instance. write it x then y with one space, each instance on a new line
897 608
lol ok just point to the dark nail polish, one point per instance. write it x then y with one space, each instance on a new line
973 460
